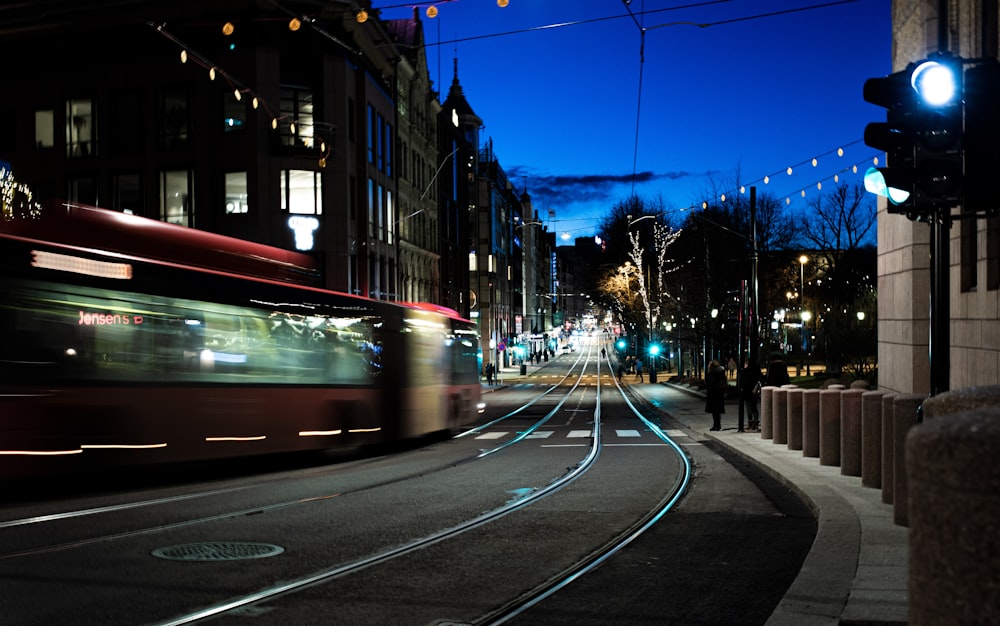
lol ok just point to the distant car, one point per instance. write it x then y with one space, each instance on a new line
568 348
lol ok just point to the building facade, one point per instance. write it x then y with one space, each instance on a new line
963 348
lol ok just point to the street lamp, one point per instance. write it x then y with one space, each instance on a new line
806 316
802 307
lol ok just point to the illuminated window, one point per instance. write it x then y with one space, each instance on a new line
236 192
45 129
175 198
79 128
297 124
301 192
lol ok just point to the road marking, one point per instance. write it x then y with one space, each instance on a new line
627 433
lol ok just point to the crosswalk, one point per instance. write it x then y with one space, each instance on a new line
620 433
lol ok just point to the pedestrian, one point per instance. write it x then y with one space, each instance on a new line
619 370
489 374
731 368
749 380
638 369
715 393
777 372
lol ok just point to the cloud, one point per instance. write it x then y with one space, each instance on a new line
568 189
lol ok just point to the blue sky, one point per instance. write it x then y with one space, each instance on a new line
727 87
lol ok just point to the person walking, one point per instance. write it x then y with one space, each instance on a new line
715 393
490 370
749 380
777 372
638 369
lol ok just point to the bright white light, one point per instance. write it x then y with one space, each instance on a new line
934 83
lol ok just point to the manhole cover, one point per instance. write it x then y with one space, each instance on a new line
218 551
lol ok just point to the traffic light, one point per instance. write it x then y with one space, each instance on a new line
982 134
922 136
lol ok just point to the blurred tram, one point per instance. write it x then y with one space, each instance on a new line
127 341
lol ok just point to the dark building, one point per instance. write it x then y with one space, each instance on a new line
272 123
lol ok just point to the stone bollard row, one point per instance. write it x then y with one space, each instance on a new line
871 439
954 496
766 430
810 423
779 415
829 426
888 402
793 418
850 431
904 417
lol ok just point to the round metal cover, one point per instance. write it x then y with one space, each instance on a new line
218 551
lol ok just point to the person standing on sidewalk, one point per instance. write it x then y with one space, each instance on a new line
638 369
489 374
749 393
715 393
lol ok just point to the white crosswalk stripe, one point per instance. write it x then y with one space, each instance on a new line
573 434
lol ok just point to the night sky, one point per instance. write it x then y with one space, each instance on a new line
584 110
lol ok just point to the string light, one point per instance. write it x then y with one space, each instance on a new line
228 28
294 24
361 16
432 11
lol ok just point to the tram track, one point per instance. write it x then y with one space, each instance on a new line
290 587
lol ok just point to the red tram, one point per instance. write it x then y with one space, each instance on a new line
127 341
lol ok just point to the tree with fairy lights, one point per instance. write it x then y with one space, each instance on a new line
16 199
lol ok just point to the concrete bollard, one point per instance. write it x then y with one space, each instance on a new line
779 417
766 430
836 387
850 432
961 401
860 384
904 417
829 426
871 439
810 422
888 401
954 496
793 411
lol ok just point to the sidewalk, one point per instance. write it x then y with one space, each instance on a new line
857 570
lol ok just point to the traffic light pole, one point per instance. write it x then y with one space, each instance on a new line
939 342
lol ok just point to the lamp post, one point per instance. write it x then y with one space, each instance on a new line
802 307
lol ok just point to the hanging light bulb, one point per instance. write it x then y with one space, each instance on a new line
291 128
228 28
840 152
767 179
211 73
255 103
803 193
238 95
294 24
743 189
722 197
274 123
815 162
788 201
503 3
361 16
432 11
819 185
184 56
322 162
855 169
789 170
322 146
836 178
